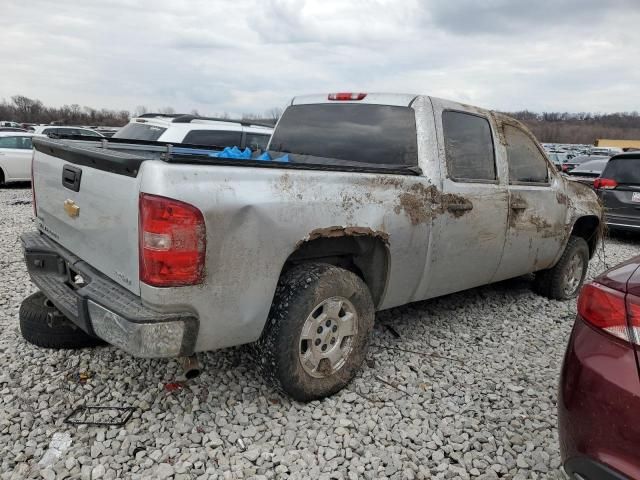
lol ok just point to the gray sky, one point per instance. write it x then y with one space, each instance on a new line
251 55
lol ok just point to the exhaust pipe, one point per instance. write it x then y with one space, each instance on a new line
190 366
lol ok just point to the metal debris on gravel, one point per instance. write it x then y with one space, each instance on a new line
466 390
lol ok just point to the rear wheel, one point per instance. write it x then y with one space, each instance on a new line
43 325
564 280
318 331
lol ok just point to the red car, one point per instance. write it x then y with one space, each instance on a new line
599 393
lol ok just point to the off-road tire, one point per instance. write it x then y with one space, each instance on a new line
43 325
299 291
550 283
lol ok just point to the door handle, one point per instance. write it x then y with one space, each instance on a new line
518 205
460 207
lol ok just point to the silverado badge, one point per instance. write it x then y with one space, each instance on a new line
71 208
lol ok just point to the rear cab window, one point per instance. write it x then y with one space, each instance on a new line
140 131
468 145
527 164
348 134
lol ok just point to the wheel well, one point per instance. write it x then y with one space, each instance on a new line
2 177
588 227
365 255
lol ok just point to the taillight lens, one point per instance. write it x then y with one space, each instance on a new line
33 186
633 312
565 168
604 184
346 96
172 242
604 308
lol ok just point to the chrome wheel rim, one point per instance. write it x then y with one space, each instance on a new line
573 276
327 337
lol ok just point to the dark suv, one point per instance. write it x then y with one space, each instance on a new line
619 189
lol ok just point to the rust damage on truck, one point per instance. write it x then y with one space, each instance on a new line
339 231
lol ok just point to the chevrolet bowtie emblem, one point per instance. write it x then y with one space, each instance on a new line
71 208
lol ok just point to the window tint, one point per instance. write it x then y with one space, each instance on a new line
25 143
468 146
526 162
623 170
354 133
140 131
86 133
257 141
9 142
215 138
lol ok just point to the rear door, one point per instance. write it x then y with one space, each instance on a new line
622 203
469 234
537 209
15 157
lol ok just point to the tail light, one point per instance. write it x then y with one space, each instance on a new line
346 96
604 183
614 312
172 242
565 167
33 186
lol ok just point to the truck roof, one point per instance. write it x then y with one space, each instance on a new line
397 99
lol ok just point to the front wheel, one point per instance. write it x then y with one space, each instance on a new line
564 280
318 330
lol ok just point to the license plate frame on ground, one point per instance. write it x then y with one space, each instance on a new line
100 416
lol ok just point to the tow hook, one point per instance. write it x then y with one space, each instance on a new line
190 366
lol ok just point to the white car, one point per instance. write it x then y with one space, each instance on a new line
58 130
15 156
196 130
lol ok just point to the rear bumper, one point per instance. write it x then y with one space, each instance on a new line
101 307
598 401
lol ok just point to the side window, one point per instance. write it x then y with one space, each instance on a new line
257 141
8 142
215 138
468 146
24 143
526 162
86 133
50 131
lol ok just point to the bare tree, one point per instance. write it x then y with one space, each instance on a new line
274 114
140 110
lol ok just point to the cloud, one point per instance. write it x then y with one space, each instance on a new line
252 55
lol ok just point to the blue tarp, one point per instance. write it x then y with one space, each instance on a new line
235 152
230 152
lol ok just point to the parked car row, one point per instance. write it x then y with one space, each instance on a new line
197 130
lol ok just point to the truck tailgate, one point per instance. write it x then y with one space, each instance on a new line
99 221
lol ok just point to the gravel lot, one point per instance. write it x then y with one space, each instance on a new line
467 391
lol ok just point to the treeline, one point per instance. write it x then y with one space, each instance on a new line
556 127
23 109
552 127
27 110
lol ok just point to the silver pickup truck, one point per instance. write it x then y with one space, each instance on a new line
370 201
